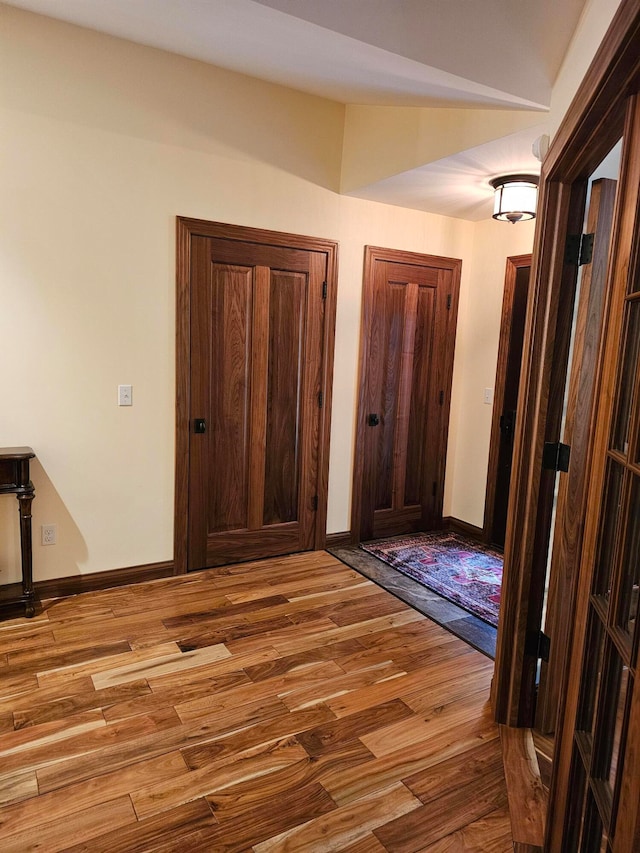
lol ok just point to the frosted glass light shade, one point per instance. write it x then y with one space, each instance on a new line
515 197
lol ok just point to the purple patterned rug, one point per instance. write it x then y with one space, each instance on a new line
467 573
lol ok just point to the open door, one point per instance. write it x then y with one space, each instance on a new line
505 400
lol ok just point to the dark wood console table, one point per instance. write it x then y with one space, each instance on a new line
14 480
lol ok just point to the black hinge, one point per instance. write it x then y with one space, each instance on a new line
441 398
555 456
434 489
324 289
579 249
320 399
314 503
538 645
586 249
449 302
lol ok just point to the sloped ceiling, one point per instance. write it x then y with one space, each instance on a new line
429 54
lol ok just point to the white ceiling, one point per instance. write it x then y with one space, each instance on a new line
487 54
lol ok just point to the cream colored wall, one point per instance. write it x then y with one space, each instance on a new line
104 143
475 364
594 22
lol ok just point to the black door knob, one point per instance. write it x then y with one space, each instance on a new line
373 420
199 425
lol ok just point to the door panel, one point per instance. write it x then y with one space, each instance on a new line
257 317
409 316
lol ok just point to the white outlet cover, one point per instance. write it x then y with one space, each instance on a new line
125 395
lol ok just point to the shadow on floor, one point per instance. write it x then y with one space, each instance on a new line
468 627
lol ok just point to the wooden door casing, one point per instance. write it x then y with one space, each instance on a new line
256 314
505 392
406 363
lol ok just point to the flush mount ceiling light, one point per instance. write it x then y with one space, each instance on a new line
515 197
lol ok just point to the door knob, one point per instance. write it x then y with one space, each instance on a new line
199 425
373 420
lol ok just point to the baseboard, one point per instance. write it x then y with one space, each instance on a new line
61 587
458 526
339 540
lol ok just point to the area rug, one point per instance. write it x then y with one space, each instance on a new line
464 572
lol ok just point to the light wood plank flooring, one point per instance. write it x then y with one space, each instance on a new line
286 705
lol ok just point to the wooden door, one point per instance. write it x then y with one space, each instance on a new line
578 427
258 401
408 331
505 402
596 784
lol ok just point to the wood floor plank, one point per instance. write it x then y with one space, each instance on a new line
158 666
261 735
227 771
239 800
280 814
442 817
298 660
61 834
426 726
285 704
280 687
18 786
98 751
83 795
345 825
326 737
154 700
352 783
414 686
173 826
489 834
69 706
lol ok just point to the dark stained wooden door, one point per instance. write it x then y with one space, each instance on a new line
514 309
257 321
409 320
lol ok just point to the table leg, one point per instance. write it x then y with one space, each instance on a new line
24 503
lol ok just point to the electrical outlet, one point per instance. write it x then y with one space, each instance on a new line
48 534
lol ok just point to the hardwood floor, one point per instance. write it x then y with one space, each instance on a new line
286 705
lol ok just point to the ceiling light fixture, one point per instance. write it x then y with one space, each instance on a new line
515 197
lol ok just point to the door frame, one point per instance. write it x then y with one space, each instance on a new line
514 263
371 255
186 229
589 130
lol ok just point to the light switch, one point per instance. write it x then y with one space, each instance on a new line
125 395
488 396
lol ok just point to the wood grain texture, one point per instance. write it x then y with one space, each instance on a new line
527 797
255 359
406 362
261 723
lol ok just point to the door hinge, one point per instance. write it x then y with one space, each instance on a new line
320 399
314 503
555 456
324 289
441 398
434 489
538 645
449 302
579 249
